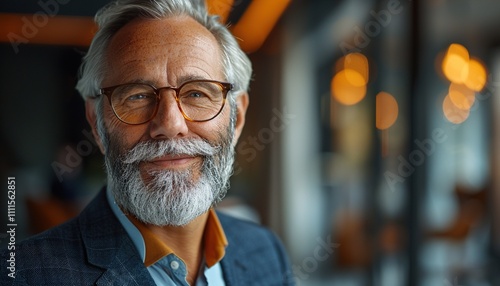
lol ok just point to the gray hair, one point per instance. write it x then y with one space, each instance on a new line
111 18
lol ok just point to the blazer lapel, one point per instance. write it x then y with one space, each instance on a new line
235 265
125 270
109 247
234 270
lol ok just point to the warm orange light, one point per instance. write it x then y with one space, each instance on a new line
354 61
257 22
348 87
456 63
354 77
476 79
386 110
461 96
41 28
452 113
220 7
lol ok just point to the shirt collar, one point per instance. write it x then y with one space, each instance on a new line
152 249
214 240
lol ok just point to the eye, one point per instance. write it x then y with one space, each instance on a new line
196 94
139 96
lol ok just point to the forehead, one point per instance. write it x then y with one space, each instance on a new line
163 51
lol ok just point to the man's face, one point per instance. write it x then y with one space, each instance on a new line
168 164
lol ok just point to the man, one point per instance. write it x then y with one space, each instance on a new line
165 88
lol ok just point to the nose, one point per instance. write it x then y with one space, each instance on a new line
169 121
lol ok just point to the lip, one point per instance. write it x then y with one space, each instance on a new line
172 161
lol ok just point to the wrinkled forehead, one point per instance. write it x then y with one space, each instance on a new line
175 44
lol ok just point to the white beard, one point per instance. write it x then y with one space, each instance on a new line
170 197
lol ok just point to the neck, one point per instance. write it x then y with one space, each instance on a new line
186 242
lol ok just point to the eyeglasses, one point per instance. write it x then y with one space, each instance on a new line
137 103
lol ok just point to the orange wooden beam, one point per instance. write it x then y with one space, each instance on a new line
220 7
40 28
257 22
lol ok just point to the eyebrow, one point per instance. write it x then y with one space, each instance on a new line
180 80
189 77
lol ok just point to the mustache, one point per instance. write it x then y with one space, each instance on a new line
149 150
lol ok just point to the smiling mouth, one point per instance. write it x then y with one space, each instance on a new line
172 162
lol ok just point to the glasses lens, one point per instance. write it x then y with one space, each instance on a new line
202 100
134 103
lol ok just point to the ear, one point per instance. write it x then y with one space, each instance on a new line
242 102
90 113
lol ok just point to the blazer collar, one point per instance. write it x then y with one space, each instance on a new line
109 247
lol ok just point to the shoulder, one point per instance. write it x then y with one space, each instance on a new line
50 243
55 250
58 252
62 239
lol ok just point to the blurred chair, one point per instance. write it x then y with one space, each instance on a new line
472 208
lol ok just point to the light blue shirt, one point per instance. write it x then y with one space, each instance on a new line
170 270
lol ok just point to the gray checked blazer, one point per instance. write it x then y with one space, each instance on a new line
94 249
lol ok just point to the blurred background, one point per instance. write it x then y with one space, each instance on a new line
369 146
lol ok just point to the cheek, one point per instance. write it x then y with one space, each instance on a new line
120 133
112 122
212 129
225 116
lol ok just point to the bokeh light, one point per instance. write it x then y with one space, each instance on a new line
357 62
452 113
476 78
386 110
461 96
456 63
467 75
348 87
